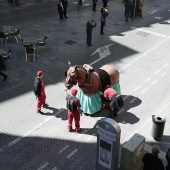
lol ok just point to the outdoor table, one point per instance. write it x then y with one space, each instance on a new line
7 29
29 40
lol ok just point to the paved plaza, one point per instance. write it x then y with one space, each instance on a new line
33 141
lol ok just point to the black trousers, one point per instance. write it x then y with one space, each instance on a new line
94 6
101 29
65 12
2 74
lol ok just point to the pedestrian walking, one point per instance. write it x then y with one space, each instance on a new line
168 159
2 67
110 94
65 5
104 14
128 8
139 7
151 160
89 29
94 5
74 111
60 9
105 3
39 91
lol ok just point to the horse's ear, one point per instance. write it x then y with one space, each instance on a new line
65 73
69 63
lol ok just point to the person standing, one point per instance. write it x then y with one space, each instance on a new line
104 14
60 9
128 8
39 91
89 28
168 159
151 160
74 111
139 7
2 67
65 5
94 5
104 3
110 94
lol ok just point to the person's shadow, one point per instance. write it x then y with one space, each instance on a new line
123 115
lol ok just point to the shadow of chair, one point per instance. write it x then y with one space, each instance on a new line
6 56
41 43
4 35
16 34
30 51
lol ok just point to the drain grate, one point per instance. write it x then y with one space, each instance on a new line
70 42
143 34
74 33
116 24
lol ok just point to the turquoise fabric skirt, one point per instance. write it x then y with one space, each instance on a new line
116 87
91 103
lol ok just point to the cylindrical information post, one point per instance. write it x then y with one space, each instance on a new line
157 127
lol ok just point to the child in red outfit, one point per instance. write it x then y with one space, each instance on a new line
39 91
74 111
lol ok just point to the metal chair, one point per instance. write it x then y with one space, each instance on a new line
7 56
41 43
16 34
30 51
25 45
4 35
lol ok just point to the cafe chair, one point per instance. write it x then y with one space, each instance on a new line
4 35
24 44
30 51
16 34
41 43
6 56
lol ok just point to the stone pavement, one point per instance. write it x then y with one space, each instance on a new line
17 109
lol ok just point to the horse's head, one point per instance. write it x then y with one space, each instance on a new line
71 76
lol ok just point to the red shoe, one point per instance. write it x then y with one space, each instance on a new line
78 129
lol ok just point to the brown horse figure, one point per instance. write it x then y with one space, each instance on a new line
92 84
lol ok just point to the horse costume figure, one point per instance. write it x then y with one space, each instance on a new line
92 84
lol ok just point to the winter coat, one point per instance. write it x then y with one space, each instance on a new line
2 64
152 162
104 14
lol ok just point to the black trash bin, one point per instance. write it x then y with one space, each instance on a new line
157 127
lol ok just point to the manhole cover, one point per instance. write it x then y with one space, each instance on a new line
70 42
143 34
74 33
115 24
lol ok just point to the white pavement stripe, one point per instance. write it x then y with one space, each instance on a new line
166 65
153 11
164 74
148 148
125 97
71 154
26 134
55 168
150 32
89 138
82 133
133 100
137 88
121 111
43 166
144 91
62 150
157 71
154 82
150 11
147 79
151 49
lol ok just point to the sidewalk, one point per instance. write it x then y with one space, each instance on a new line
65 40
